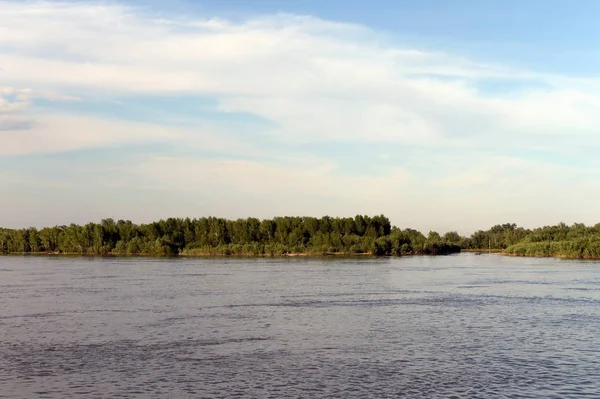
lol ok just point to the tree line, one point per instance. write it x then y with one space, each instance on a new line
294 235
217 236
576 241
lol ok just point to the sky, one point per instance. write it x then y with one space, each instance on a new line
442 115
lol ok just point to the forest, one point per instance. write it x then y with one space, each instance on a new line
218 236
282 236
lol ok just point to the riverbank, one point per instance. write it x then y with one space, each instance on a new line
290 255
218 255
554 256
483 251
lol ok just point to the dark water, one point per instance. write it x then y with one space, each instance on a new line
455 327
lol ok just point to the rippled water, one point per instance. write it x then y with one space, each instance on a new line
460 326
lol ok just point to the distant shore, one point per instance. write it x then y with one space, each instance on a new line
486 251
290 255
556 256
213 255
295 236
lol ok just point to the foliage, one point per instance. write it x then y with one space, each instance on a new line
561 240
217 236
576 241
294 235
498 237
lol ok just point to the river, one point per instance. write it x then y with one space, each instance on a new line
460 326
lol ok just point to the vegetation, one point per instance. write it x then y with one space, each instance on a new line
498 237
295 236
576 242
216 236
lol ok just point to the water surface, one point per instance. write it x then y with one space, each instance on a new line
461 326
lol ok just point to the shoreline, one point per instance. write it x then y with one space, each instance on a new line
551 256
482 250
290 255
208 255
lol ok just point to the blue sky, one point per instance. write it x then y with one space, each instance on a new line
544 34
451 115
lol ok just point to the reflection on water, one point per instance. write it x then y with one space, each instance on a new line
460 326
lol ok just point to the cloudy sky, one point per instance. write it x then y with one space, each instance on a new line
444 115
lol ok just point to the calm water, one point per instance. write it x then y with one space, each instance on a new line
461 326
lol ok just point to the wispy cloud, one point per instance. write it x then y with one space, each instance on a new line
316 81
287 69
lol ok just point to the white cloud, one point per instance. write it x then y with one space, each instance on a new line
265 177
19 103
61 133
64 133
317 81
